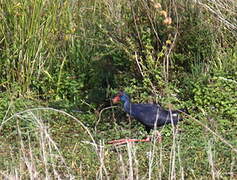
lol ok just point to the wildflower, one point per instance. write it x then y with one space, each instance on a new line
168 42
73 30
67 37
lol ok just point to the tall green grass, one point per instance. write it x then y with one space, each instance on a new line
34 39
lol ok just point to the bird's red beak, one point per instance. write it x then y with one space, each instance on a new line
116 99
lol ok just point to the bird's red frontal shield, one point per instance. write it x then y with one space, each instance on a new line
116 99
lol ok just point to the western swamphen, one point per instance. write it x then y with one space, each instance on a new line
150 115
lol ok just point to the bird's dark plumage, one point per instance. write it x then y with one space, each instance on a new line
150 115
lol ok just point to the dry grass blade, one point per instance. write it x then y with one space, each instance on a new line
223 10
51 109
213 132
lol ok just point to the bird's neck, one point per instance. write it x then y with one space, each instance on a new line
127 106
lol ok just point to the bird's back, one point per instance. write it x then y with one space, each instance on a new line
152 115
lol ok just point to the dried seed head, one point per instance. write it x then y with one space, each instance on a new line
163 13
167 21
157 5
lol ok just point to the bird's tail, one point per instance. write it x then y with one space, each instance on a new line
184 110
177 115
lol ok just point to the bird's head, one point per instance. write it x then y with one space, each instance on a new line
121 96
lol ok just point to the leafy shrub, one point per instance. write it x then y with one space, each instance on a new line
217 96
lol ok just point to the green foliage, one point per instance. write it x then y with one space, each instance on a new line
196 45
217 96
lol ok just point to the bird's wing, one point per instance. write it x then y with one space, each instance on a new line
151 114
145 113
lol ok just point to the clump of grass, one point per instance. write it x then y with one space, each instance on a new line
42 146
32 33
33 151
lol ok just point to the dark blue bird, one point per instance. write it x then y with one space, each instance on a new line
150 115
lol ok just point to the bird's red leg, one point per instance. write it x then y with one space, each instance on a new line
122 141
148 139
117 141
